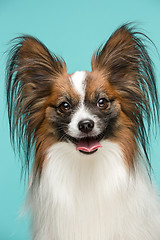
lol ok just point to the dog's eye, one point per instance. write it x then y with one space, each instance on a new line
103 103
64 107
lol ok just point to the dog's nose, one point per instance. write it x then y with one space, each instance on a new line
86 125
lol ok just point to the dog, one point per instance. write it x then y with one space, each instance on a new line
86 137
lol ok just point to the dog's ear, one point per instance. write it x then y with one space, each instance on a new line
119 56
125 63
31 71
32 67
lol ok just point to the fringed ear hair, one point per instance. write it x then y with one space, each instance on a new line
125 63
31 71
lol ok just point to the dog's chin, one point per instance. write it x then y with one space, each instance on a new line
88 153
87 145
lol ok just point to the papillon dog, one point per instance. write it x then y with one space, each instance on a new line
87 134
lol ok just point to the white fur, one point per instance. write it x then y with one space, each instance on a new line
93 197
78 82
82 112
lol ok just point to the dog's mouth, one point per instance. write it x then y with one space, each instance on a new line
87 145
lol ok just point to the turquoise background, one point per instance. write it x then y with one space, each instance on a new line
73 30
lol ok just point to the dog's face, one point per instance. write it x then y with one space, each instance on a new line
83 110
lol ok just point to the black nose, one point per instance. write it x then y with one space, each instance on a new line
86 125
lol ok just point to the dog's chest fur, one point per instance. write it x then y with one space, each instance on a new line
93 198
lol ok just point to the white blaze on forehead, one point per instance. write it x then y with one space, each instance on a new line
78 82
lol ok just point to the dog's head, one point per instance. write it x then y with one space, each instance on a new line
47 105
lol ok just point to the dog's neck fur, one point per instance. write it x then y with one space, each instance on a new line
92 197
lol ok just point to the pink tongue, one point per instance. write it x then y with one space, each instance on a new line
88 145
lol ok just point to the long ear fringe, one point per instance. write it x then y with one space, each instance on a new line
128 67
31 70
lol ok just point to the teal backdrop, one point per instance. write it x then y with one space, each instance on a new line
74 30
